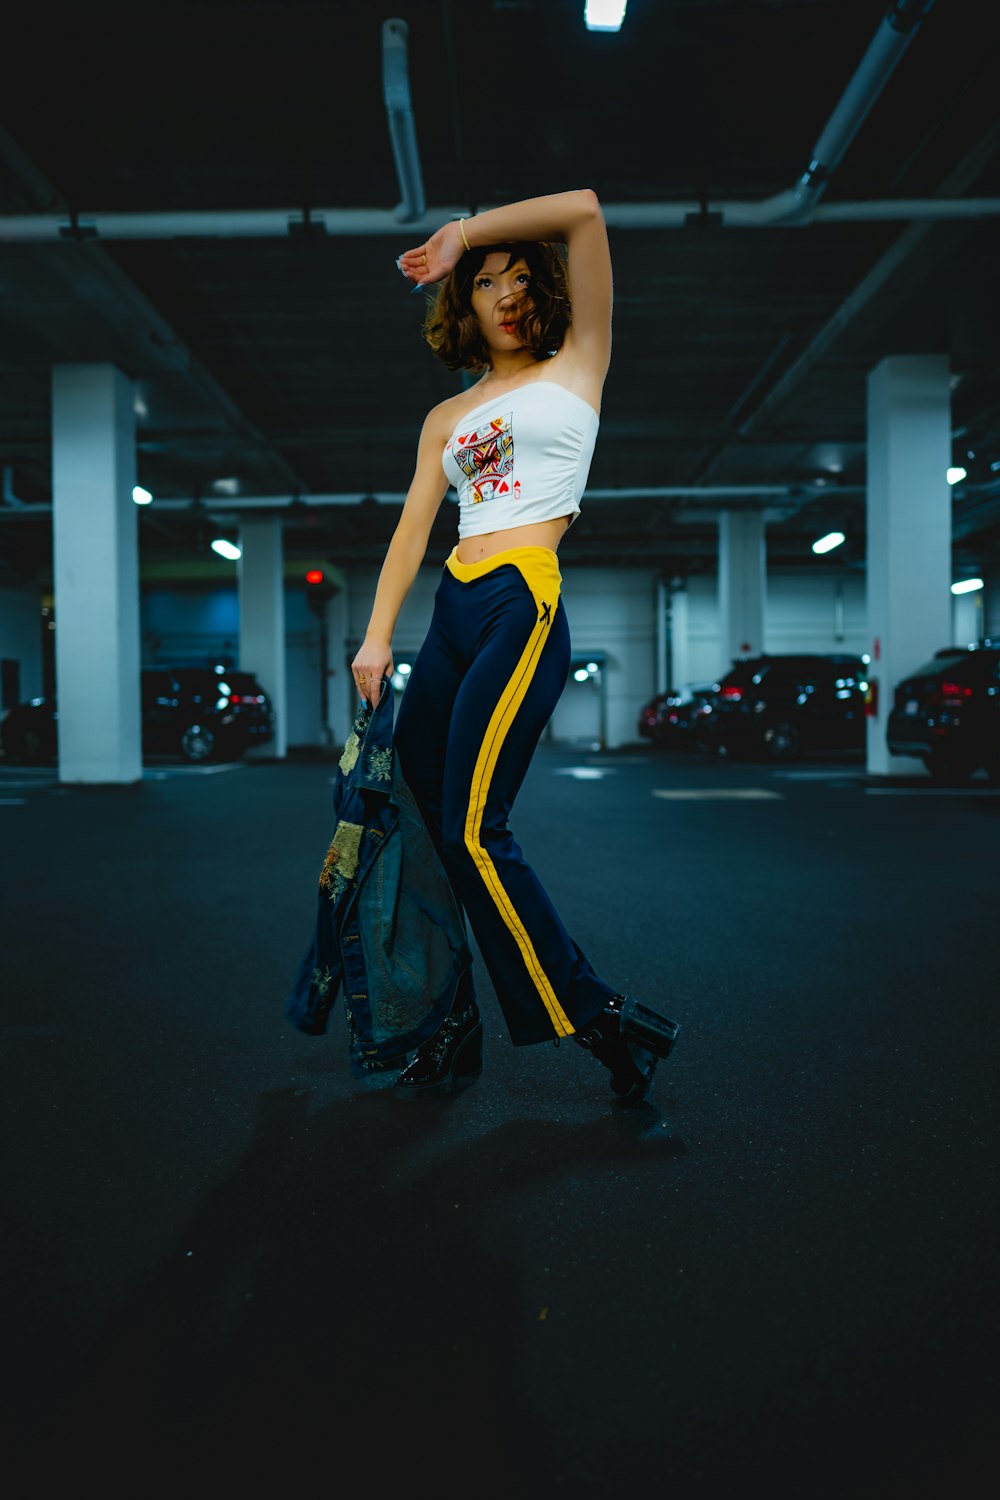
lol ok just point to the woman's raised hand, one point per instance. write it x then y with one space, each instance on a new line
430 262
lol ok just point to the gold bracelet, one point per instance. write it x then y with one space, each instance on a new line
461 230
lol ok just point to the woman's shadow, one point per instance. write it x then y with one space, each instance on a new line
347 1290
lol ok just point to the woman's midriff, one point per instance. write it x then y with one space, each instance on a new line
473 549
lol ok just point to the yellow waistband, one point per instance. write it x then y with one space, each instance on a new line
538 566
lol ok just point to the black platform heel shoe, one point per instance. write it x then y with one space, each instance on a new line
454 1053
629 1039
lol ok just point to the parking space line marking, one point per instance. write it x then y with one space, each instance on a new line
160 773
831 774
721 794
932 791
585 773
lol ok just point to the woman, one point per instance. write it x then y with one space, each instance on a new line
517 446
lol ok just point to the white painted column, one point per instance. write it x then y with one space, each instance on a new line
909 530
680 644
661 633
967 625
742 585
991 603
95 575
260 572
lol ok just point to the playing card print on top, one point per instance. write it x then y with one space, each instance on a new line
485 456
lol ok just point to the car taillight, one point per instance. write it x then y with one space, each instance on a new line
950 695
731 694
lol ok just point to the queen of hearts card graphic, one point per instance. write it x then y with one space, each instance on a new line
486 458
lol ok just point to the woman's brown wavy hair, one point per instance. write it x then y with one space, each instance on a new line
452 330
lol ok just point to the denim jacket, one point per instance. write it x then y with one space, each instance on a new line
388 927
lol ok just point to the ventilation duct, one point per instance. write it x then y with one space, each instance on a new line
399 114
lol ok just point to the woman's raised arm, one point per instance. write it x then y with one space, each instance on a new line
577 221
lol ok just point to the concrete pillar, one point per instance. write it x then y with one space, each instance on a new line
742 585
661 634
680 642
991 603
260 572
909 530
95 575
967 625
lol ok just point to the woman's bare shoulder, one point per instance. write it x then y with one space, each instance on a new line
453 409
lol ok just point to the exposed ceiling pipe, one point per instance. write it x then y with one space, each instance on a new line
275 223
399 114
9 498
297 503
855 305
895 33
795 207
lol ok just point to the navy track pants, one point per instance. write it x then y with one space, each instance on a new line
482 689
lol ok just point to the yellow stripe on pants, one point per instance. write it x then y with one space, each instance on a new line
502 718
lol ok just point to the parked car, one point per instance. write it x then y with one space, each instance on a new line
947 713
778 707
668 719
198 713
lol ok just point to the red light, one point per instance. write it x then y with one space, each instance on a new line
733 694
314 575
950 694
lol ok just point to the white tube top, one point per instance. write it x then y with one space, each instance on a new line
520 458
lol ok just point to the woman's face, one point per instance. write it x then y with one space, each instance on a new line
498 294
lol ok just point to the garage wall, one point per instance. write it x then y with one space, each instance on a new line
21 639
612 615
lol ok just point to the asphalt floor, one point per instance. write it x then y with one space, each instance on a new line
228 1262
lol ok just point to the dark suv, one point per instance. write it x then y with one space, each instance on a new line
776 707
947 713
669 719
198 713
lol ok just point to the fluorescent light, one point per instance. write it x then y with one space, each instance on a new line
141 496
956 475
828 542
226 549
604 15
967 585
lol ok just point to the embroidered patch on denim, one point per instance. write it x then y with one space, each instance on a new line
350 754
346 844
321 979
380 765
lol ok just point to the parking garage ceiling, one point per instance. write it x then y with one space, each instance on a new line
277 360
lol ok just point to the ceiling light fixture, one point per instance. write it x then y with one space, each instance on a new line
828 542
604 15
956 474
141 496
226 549
967 585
